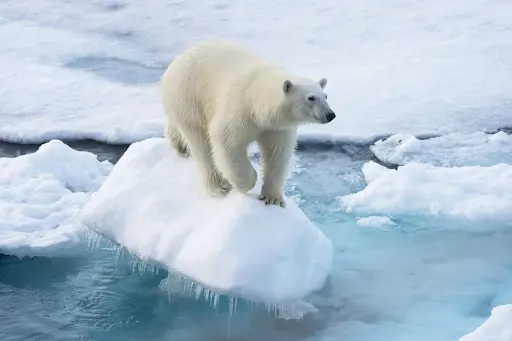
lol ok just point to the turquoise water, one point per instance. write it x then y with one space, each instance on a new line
404 283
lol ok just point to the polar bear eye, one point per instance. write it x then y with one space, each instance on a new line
311 98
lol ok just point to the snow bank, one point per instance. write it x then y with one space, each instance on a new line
468 192
153 204
416 67
40 195
476 149
497 328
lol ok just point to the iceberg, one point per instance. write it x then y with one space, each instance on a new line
41 195
497 328
153 204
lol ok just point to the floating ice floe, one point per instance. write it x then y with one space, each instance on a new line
375 221
497 328
41 194
467 193
153 204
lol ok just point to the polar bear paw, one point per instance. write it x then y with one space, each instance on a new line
246 183
276 200
224 186
216 185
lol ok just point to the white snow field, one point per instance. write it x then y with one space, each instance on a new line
497 328
40 195
90 69
153 205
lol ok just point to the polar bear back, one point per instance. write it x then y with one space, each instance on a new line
208 75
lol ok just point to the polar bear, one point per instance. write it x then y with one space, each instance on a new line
219 97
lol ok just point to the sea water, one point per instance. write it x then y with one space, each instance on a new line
397 282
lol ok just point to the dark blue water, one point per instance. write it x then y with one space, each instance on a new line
401 284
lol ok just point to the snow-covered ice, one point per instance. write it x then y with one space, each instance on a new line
497 328
152 203
454 149
467 193
409 67
40 195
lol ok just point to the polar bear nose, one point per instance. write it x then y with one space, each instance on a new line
330 116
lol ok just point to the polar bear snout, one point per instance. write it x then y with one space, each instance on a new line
330 116
327 117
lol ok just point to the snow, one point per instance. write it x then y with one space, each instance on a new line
375 221
497 328
430 67
41 194
466 193
153 204
450 150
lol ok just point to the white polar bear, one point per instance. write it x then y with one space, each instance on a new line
219 97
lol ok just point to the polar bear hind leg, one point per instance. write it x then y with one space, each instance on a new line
176 140
200 149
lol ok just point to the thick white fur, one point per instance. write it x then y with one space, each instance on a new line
219 97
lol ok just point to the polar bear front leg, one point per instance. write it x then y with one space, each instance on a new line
276 149
229 145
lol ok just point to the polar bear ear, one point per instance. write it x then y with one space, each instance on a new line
322 82
287 86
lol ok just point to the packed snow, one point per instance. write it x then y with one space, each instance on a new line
153 204
410 67
475 193
41 194
450 150
497 328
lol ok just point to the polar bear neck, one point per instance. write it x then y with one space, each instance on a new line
264 91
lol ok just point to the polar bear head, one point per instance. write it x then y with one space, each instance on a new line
307 101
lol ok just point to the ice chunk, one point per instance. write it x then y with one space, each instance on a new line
476 149
497 328
469 192
375 221
41 194
153 204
